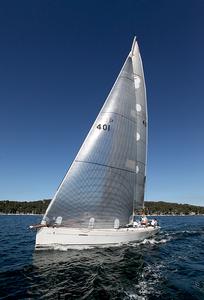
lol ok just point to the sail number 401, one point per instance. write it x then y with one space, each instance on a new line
104 127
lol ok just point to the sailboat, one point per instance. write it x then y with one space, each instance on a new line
103 191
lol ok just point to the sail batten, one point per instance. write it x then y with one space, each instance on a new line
106 180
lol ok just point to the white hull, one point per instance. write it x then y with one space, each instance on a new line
75 238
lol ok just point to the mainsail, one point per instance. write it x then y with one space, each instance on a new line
105 182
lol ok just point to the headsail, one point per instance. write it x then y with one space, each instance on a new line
106 180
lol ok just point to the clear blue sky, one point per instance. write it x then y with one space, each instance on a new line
58 61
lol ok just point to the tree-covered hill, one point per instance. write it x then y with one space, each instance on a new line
158 208
25 207
167 208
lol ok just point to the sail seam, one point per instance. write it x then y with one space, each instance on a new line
110 112
123 76
94 163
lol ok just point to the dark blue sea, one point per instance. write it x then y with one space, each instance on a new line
168 266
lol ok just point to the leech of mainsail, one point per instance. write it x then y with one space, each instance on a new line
106 180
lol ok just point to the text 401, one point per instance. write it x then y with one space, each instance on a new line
104 127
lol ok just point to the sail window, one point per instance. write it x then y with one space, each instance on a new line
45 220
138 136
137 81
116 224
91 223
138 107
58 220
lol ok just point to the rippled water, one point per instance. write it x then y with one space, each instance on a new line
168 266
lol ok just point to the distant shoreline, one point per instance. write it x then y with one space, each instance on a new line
153 215
152 208
20 214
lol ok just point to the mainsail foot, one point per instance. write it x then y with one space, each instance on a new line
105 184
